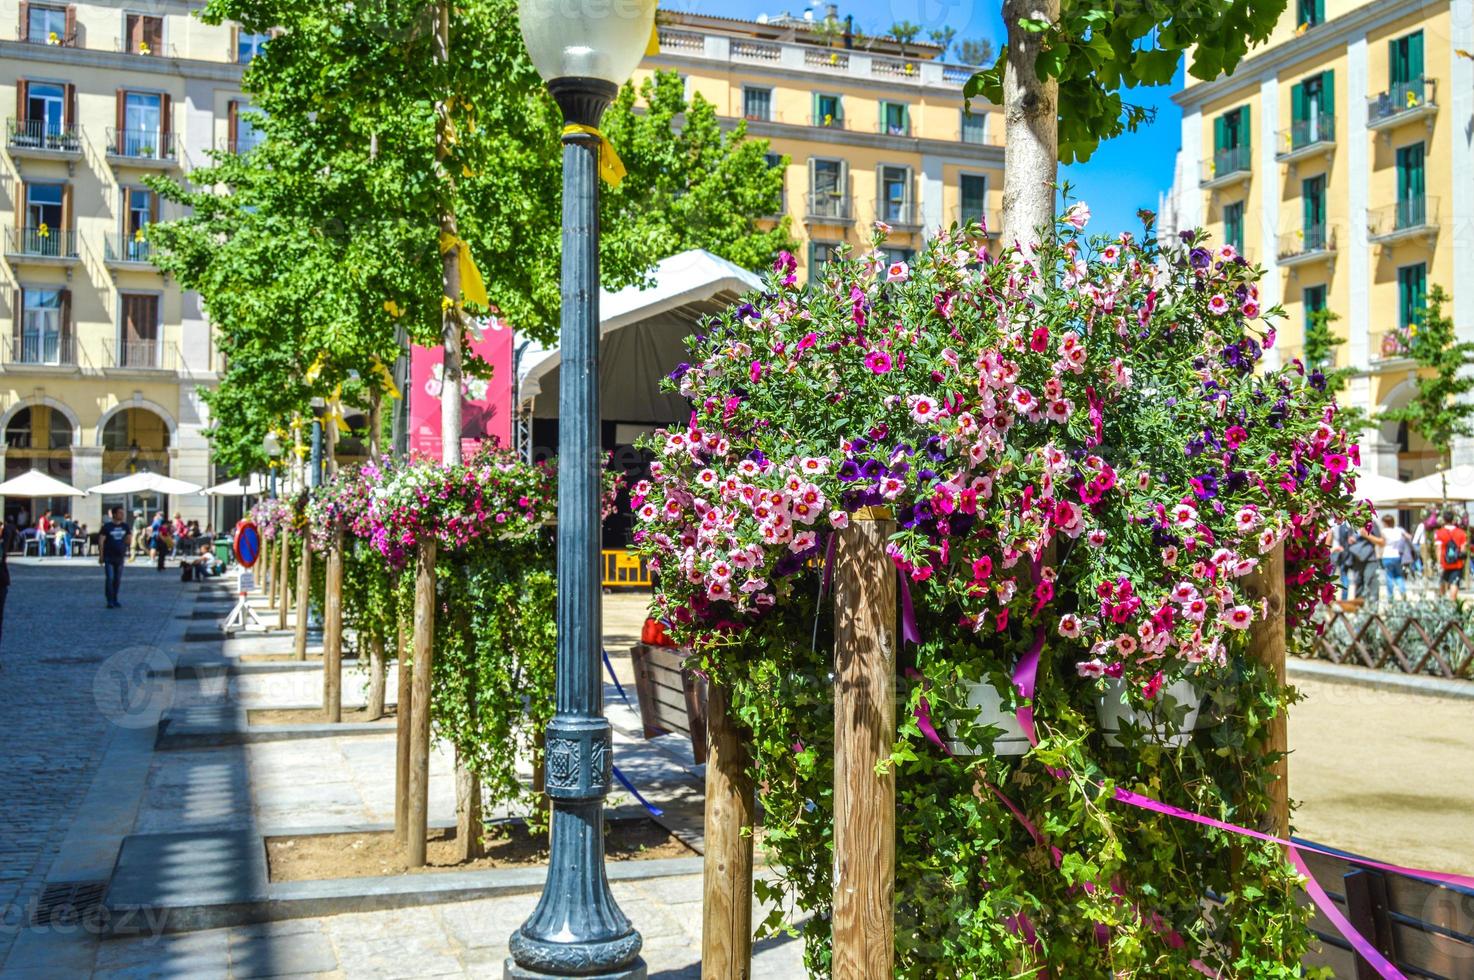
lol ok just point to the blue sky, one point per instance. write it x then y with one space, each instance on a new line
1124 175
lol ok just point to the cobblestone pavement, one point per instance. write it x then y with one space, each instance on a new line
466 939
68 667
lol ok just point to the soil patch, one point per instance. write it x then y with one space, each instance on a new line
313 858
275 658
310 716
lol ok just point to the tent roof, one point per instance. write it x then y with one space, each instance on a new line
687 286
254 484
37 484
145 481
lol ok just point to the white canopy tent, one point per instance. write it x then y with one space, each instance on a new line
641 333
1382 491
38 484
1458 488
253 485
146 482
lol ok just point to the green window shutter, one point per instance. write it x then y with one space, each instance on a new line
1297 102
1396 63
1415 57
1244 127
1220 134
814 113
1327 105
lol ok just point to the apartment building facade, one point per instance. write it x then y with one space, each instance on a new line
872 131
1337 156
104 358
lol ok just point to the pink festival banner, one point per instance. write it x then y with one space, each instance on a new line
486 405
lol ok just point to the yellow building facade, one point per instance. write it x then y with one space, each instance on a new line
871 131
1337 156
103 357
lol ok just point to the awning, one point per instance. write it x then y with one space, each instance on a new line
146 482
1431 488
254 485
38 484
642 334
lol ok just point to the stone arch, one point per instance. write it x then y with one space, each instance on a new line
33 400
143 403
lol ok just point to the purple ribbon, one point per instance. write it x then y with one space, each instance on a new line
655 811
617 686
909 632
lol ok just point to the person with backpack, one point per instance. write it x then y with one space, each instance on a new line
1451 543
1361 547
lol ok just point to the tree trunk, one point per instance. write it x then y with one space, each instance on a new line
1031 128
376 421
419 750
332 639
376 676
304 594
403 714
284 577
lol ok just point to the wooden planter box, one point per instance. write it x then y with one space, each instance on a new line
672 696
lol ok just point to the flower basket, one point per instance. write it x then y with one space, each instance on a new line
991 713
1158 725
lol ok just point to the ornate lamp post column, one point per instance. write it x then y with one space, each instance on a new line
584 49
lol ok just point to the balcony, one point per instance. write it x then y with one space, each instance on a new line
142 148
900 215
827 121
39 350
1390 345
1304 245
1307 138
41 245
1230 166
1404 102
756 51
829 207
239 147
40 139
682 42
140 355
892 68
127 250
824 58
990 223
904 129
1413 218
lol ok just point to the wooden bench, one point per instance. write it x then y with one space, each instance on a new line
1424 928
672 696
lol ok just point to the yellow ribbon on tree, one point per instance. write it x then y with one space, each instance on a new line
387 377
334 411
611 167
316 369
392 308
473 287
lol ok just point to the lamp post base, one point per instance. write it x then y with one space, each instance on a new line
635 971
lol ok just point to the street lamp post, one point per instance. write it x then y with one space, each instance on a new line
272 445
584 49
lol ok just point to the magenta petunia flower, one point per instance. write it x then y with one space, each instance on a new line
878 361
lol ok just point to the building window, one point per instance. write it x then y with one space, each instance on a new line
893 200
757 104
44 206
1313 110
1231 141
48 25
140 346
1412 292
828 186
144 34
140 209
828 110
144 129
1313 212
45 120
42 327
248 46
1412 202
1308 13
1233 225
243 135
1405 62
906 255
820 255
974 127
973 189
894 119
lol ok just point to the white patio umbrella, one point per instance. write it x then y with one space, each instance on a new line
253 485
38 484
146 482
1382 491
1430 488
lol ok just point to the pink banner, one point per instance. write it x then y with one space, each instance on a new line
486 404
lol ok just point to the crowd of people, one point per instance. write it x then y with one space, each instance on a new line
156 540
1384 555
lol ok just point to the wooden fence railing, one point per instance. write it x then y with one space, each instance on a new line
1397 640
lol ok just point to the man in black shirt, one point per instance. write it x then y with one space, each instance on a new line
112 553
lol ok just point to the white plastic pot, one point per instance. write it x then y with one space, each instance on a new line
983 696
1114 711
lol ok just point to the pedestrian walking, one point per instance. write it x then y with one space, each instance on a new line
1360 546
1396 552
140 535
1451 544
113 552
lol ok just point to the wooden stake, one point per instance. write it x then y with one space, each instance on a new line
332 637
864 731
403 712
419 748
304 592
376 676
284 578
726 930
1267 639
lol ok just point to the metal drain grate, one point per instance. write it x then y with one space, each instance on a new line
67 902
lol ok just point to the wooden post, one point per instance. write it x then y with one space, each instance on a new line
376 676
864 731
726 929
1267 642
332 637
284 578
468 785
403 712
304 593
419 748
